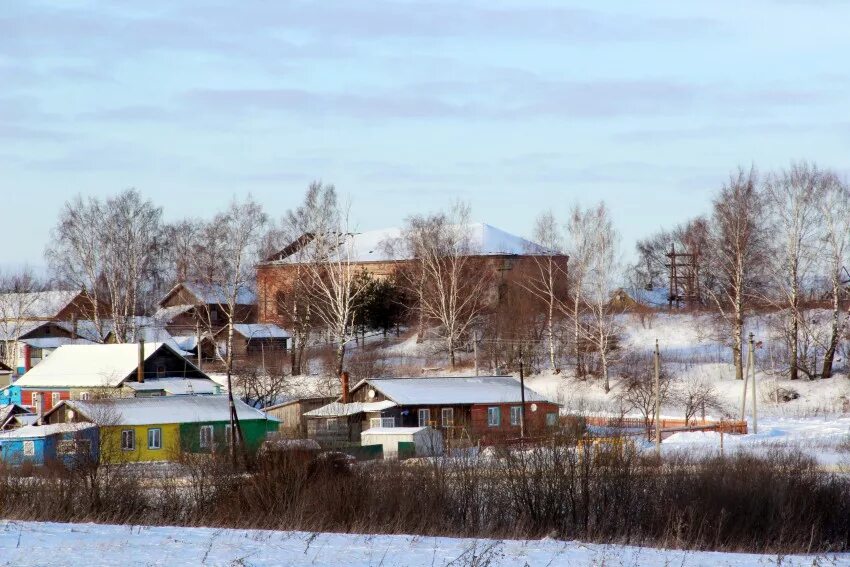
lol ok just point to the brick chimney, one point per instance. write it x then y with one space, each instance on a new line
344 379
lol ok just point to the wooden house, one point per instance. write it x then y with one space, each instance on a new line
190 305
68 443
160 429
486 407
106 370
9 416
293 422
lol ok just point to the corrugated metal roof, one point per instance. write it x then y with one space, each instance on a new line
453 390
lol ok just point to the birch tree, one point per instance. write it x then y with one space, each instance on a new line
579 230
834 208
792 199
329 265
548 275
17 299
736 254
601 278
450 279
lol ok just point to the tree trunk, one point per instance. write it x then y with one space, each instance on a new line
340 355
829 357
605 382
795 329
451 351
738 340
551 331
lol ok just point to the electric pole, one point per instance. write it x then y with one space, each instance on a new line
753 370
521 393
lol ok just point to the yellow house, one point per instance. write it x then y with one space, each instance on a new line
140 443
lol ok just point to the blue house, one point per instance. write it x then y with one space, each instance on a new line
69 443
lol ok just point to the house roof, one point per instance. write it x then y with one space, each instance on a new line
260 331
162 409
167 314
385 245
34 431
8 410
212 293
53 342
94 365
338 409
293 400
175 386
36 305
452 390
393 430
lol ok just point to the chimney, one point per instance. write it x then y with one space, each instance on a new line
344 378
140 370
27 358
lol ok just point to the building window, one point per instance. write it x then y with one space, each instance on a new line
424 417
155 438
280 303
206 436
29 449
128 439
36 401
551 419
84 396
516 415
332 425
54 399
227 434
382 422
494 417
448 415
160 371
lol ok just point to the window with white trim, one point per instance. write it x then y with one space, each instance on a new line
55 397
206 436
494 416
448 417
424 417
516 415
382 422
84 396
551 419
128 439
29 449
154 438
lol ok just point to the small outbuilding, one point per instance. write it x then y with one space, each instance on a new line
69 443
402 442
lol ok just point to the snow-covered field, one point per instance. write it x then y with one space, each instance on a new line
68 545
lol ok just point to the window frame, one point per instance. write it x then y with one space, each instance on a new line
209 437
55 398
516 412
447 422
494 411
157 433
128 434
426 412
551 419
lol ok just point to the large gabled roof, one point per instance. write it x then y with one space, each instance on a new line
36 304
451 390
161 410
385 245
213 293
91 366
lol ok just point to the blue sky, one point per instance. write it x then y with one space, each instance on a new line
516 107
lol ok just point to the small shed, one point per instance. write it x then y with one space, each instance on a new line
69 443
405 441
293 422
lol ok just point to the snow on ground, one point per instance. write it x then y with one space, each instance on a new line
24 544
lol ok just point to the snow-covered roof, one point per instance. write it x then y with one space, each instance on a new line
7 410
339 409
93 365
163 409
393 430
34 431
453 390
37 304
14 329
54 342
175 386
167 314
485 240
260 331
213 293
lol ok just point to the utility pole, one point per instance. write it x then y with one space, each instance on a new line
198 342
657 400
475 349
521 393
140 370
753 370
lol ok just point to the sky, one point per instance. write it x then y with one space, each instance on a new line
515 107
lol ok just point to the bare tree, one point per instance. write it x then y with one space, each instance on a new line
110 249
549 274
449 280
230 276
792 199
736 253
638 385
601 278
834 208
17 299
329 265
580 228
696 395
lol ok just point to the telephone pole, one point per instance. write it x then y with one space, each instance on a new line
475 349
753 370
521 393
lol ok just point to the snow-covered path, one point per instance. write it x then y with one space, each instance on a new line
48 544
